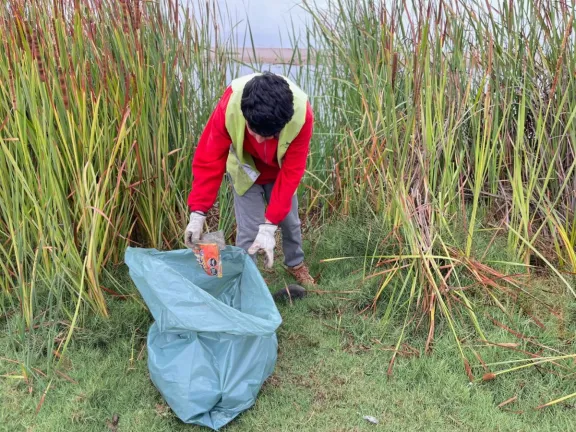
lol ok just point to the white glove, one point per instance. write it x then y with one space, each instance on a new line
194 228
265 243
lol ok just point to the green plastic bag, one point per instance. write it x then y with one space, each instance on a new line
213 342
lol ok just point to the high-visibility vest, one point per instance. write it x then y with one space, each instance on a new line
240 164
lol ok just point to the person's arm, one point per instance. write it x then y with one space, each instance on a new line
209 164
291 172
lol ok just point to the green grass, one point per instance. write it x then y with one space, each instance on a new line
324 381
331 371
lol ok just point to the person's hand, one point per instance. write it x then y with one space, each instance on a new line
265 243
194 228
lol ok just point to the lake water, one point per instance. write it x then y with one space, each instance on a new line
273 22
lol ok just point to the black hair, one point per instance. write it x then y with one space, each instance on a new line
267 104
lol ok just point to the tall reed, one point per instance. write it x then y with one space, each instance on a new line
449 117
101 104
453 110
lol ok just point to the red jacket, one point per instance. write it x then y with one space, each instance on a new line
209 164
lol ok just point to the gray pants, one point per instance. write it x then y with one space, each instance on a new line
250 208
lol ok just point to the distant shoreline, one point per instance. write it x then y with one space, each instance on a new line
274 56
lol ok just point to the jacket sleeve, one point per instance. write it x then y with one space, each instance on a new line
291 172
209 163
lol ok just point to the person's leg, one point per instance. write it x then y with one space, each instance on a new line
291 232
249 210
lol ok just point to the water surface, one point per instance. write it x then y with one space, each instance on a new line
274 23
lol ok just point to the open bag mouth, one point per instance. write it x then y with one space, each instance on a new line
182 297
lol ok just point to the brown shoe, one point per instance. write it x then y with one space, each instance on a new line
302 275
